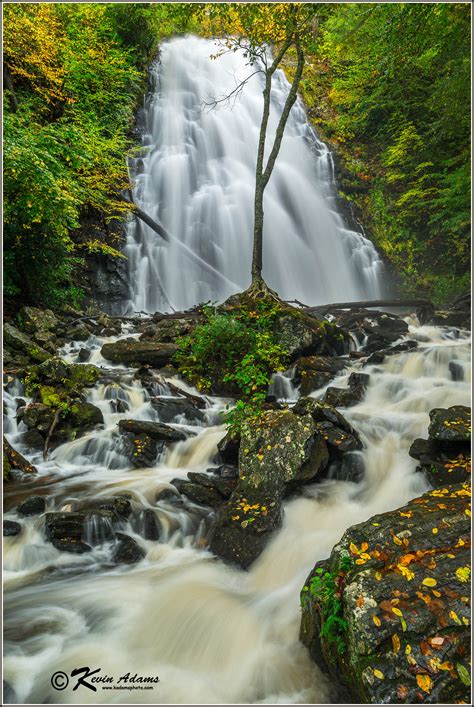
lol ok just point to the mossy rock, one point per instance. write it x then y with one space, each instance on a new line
18 341
404 604
7 470
451 425
34 320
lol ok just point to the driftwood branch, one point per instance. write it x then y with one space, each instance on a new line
50 432
163 233
372 303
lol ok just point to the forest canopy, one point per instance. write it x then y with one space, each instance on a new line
387 85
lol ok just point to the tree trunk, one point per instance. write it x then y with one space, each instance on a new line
11 91
263 175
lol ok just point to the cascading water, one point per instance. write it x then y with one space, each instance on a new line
212 633
196 176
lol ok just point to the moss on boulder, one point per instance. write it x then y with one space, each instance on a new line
403 604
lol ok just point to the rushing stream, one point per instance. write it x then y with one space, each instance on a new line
196 175
211 632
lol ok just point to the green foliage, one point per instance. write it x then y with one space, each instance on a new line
326 589
76 71
235 351
390 87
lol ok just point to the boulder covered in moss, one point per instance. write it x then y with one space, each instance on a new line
73 420
303 335
388 613
278 452
20 344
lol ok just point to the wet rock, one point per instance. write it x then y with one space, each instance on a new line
225 471
33 438
346 397
450 425
167 330
169 408
388 613
11 528
155 430
76 547
67 527
459 319
224 487
34 320
127 550
135 353
142 450
15 460
120 406
277 453
379 356
228 448
21 343
201 494
348 467
168 494
304 335
313 372
445 458
78 332
117 508
322 412
33 506
67 375
84 354
152 528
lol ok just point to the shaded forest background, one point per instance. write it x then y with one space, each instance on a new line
386 85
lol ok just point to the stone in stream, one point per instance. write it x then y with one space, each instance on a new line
379 356
277 453
445 457
303 335
79 419
76 547
11 528
313 372
135 353
146 440
34 505
388 613
228 448
21 344
346 397
84 354
127 551
169 408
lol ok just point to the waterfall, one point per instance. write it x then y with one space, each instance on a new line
195 174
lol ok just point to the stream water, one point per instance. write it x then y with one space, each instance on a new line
196 175
211 632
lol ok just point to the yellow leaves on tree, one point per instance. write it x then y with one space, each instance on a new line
33 45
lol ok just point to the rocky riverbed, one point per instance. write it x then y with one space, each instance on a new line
118 474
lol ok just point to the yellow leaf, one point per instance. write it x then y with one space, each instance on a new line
378 576
396 611
454 617
463 574
436 593
424 683
395 643
429 582
376 620
397 541
407 649
364 546
378 674
434 531
353 549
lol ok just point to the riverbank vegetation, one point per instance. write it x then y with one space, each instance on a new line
387 85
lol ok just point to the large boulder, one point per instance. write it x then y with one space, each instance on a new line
78 418
144 441
34 320
278 452
169 408
452 425
135 353
353 394
388 613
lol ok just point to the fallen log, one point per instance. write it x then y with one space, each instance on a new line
17 460
168 238
372 303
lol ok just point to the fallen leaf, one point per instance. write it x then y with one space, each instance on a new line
395 643
378 674
424 682
429 582
376 620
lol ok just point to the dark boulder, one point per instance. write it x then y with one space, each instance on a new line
135 353
76 547
169 408
228 448
21 344
127 551
452 425
84 354
11 528
379 356
346 397
34 505
204 495
388 614
155 430
65 531
303 335
147 524
313 372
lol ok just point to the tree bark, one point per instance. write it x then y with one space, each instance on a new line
262 174
11 91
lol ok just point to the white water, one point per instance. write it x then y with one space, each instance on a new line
211 632
196 176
